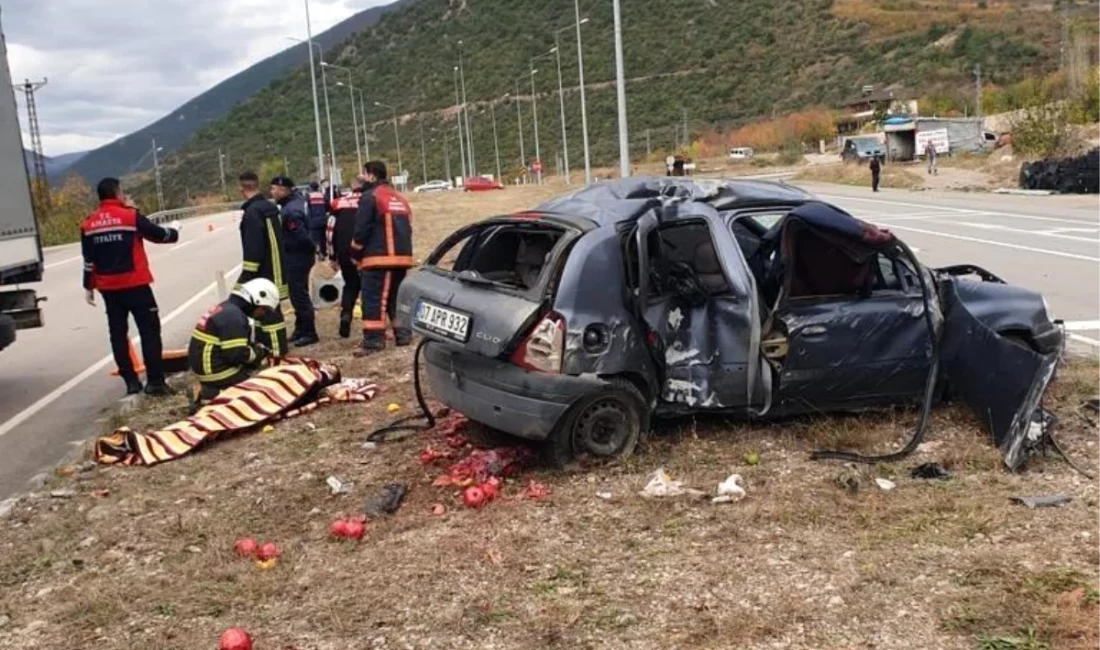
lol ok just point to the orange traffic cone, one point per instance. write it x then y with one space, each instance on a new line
134 359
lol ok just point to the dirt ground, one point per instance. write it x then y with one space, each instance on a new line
124 558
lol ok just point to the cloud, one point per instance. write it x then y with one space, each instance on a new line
115 66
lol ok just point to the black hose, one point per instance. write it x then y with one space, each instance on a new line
929 387
407 423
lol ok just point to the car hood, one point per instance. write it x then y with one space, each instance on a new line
999 306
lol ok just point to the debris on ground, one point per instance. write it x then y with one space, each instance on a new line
534 491
388 500
848 481
336 486
661 485
752 458
1048 501
393 407
62 494
885 484
481 464
730 490
606 496
930 471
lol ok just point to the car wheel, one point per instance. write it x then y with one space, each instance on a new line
606 425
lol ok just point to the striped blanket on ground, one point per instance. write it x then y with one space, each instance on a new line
293 387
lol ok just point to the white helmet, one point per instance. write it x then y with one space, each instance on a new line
260 292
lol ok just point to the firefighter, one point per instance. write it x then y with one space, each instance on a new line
338 235
382 246
262 245
300 255
223 351
112 242
318 216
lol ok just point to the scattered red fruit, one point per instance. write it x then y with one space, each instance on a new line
267 552
235 639
438 510
339 528
354 529
491 489
473 497
245 547
535 490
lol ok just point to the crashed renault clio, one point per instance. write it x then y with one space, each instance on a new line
578 321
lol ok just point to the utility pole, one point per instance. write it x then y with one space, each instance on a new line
519 120
316 110
466 109
41 183
221 169
687 139
335 171
447 157
978 97
580 80
423 160
496 142
647 151
366 140
561 106
461 146
156 175
620 92
535 115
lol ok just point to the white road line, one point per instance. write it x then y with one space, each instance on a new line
64 261
1062 230
49 398
1021 231
181 245
1084 339
1002 244
992 213
1082 325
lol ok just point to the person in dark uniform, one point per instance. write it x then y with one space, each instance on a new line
112 243
222 351
318 216
382 246
876 170
262 247
300 255
338 236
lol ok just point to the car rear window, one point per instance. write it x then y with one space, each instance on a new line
511 254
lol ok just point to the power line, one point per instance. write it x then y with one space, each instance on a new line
42 184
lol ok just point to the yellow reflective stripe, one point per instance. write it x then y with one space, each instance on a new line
250 266
276 261
229 344
207 359
204 337
218 376
274 328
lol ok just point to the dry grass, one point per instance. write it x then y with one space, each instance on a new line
797 564
893 175
890 18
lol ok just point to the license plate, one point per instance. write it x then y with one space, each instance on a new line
448 322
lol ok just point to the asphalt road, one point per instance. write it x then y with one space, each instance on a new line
54 381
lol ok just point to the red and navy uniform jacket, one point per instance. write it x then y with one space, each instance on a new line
295 216
383 230
341 227
318 214
112 241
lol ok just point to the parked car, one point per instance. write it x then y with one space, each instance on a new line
741 153
862 149
575 322
480 184
432 186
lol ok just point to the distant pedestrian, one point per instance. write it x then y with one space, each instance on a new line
262 257
876 171
111 240
300 256
670 160
930 153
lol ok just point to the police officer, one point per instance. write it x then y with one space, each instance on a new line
338 236
262 244
382 245
318 216
222 351
112 242
299 259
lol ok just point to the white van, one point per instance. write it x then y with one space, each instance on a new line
740 153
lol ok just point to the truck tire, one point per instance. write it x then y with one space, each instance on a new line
7 331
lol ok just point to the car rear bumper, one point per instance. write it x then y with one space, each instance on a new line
500 395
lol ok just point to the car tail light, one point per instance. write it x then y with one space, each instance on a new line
543 348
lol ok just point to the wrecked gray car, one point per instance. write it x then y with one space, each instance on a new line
575 322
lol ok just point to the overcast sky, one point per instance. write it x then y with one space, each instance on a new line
115 66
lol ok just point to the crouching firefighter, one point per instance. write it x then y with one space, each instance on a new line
382 247
223 351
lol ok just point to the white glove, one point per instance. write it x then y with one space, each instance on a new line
176 225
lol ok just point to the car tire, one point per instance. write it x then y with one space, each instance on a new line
606 425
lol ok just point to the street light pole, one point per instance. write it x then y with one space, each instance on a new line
466 109
620 92
363 115
447 158
561 105
580 79
519 120
496 143
535 115
221 168
423 159
396 134
354 119
335 176
156 173
461 147
316 110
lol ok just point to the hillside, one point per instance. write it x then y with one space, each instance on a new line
55 165
130 152
722 62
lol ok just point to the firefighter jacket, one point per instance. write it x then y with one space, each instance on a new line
221 344
112 242
383 230
295 216
262 243
341 227
318 215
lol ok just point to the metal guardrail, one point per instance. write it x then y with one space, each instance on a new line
165 216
